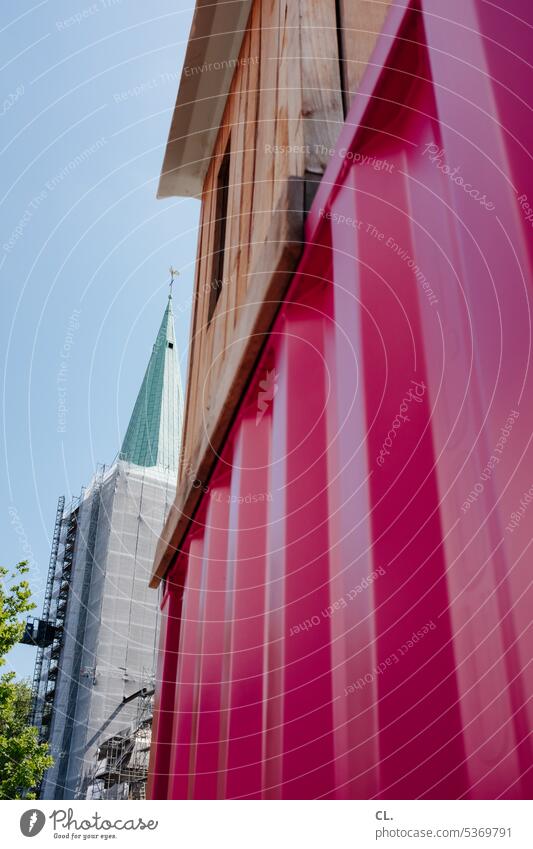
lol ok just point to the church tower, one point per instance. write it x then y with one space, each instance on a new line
94 679
153 433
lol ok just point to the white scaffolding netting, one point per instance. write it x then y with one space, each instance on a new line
111 627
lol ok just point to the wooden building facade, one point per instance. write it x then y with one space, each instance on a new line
255 126
345 574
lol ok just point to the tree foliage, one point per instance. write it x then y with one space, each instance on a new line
23 759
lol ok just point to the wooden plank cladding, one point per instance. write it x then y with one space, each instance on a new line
361 23
322 102
263 124
282 116
275 262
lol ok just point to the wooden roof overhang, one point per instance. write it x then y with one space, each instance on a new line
217 31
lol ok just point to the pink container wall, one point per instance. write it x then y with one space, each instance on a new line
350 614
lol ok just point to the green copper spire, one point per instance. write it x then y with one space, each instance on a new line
154 431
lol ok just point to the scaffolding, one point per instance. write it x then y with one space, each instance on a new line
62 587
33 626
121 761
76 671
102 640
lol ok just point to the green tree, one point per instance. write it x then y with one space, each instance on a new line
23 759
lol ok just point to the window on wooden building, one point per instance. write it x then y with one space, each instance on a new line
343 75
221 213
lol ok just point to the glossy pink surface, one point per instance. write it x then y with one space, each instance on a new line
366 491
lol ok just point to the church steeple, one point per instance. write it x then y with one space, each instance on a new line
154 431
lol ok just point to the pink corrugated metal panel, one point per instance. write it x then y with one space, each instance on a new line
183 736
242 733
166 707
355 623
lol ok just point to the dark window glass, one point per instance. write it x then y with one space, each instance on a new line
221 212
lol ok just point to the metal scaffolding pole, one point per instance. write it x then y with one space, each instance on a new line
37 702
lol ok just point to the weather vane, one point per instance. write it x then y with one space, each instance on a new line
173 273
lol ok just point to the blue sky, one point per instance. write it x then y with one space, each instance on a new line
85 246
